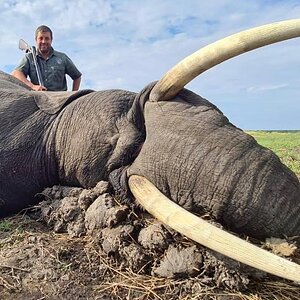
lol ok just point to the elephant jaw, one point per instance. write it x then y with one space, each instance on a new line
208 235
222 50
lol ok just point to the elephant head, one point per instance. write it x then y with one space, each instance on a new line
179 141
205 164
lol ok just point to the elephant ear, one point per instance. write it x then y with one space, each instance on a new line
52 102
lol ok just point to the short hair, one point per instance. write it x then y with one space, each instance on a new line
43 28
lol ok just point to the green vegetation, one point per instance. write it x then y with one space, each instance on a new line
286 144
5 225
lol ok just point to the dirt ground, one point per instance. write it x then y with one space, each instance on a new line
86 244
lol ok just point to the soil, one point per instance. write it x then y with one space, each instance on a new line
87 244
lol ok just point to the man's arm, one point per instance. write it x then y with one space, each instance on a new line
19 74
76 84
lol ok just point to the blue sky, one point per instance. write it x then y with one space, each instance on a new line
127 44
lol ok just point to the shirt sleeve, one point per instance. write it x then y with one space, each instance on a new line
71 69
24 66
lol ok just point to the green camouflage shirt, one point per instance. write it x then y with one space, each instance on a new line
53 70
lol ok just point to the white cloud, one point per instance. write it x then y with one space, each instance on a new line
255 89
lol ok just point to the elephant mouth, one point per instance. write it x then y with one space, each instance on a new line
173 215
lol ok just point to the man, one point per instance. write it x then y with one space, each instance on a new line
53 65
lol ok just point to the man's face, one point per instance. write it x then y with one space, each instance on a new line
43 42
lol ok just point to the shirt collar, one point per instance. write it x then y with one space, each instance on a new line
51 52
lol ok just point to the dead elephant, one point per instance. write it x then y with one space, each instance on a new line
179 141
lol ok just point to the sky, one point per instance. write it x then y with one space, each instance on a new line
126 44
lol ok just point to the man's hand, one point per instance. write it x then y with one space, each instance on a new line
18 74
38 87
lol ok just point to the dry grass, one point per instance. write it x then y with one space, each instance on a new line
76 268
126 284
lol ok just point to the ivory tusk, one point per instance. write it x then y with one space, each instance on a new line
208 235
215 53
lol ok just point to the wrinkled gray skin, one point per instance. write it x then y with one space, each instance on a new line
185 146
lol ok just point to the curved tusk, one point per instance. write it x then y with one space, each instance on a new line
215 53
208 235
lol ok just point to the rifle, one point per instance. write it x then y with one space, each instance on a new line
31 49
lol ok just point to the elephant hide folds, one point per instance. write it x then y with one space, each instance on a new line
76 146
53 102
48 102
